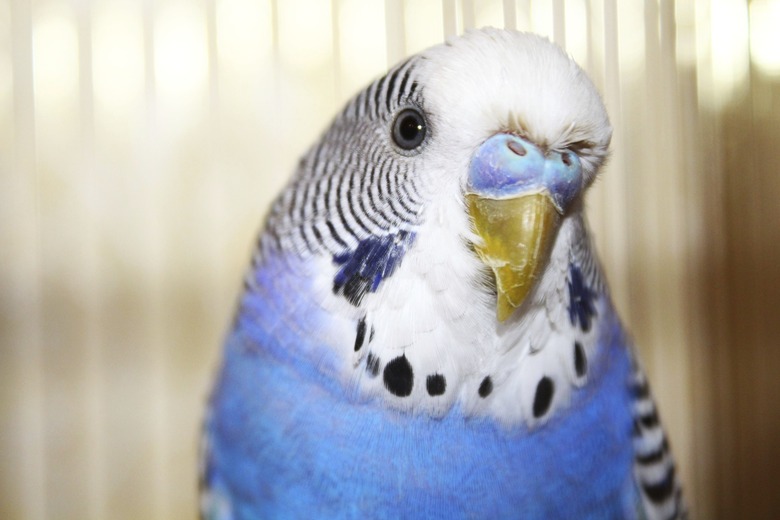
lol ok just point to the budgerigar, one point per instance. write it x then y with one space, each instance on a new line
425 330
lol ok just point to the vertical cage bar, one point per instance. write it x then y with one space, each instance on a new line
394 30
335 9
450 18
510 14
469 18
615 189
92 269
559 22
27 338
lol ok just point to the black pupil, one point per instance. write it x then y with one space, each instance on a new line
410 127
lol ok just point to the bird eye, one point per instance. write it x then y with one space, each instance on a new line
409 129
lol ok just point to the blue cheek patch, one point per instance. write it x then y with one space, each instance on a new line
582 305
507 165
373 260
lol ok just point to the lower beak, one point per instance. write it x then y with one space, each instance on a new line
517 234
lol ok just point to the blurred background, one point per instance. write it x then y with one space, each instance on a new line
141 143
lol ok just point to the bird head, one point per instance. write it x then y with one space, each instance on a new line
444 205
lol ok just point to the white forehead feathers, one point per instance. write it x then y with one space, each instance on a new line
490 80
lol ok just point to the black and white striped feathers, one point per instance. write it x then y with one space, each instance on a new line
355 182
654 467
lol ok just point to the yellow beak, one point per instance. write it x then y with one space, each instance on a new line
518 234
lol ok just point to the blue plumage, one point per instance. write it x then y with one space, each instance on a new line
296 441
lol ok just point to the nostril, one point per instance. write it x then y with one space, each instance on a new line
516 147
566 158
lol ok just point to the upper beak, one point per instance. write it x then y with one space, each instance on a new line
517 235
515 197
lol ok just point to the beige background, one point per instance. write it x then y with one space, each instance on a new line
142 141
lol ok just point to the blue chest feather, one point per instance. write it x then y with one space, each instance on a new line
288 440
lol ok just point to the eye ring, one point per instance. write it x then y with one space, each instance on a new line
409 129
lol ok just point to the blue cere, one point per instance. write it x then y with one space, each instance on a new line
374 259
507 165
